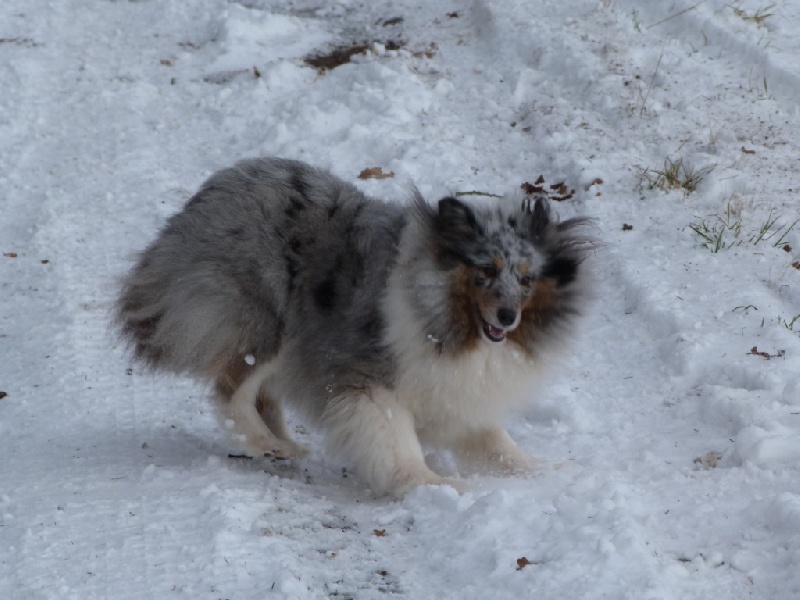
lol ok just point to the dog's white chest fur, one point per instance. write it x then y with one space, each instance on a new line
472 391
450 394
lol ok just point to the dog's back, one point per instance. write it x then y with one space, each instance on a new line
266 247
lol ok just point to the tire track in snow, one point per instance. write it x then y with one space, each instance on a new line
100 457
732 390
714 28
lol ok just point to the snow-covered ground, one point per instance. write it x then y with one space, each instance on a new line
672 436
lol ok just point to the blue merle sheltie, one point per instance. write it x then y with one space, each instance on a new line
392 326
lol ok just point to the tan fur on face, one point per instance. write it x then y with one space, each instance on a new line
537 310
471 303
464 300
486 301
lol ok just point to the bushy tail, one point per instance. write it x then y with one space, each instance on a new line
182 321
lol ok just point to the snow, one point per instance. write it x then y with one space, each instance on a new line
671 438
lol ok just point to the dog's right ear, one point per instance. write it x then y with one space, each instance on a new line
456 232
537 215
456 221
451 228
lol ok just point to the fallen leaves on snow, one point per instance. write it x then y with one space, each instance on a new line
557 192
754 350
375 173
523 562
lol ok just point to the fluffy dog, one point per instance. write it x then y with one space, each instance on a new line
391 326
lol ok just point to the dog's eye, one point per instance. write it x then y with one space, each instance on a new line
489 272
484 275
526 280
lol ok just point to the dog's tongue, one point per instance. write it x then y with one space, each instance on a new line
494 333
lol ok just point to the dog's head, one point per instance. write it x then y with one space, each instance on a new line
513 272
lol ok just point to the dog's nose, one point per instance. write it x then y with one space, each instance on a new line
506 316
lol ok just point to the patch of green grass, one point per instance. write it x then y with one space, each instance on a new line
790 323
768 231
758 17
745 309
719 233
637 24
675 174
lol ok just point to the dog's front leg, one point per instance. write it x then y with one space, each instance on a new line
492 450
370 428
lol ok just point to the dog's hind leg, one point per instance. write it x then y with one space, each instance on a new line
271 412
253 415
378 434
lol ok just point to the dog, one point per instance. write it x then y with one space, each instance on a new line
391 326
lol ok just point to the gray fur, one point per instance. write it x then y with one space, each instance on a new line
275 257
265 247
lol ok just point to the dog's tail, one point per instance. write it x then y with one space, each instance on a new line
178 322
185 315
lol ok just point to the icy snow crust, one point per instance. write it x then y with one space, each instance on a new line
672 451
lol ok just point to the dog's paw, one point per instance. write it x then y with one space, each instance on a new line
412 481
458 485
285 450
511 463
272 447
515 463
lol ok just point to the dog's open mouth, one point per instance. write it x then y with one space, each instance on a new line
492 333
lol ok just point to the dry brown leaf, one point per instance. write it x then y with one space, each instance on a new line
523 562
530 189
375 173
754 351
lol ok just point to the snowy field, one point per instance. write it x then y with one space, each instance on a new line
672 435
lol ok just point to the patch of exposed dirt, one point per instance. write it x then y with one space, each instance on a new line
341 55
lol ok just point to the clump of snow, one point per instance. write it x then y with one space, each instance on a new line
250 37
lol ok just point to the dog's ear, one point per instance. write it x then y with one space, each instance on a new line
456 220
457 232
537 215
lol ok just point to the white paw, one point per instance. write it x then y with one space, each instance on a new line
516 463
276 448
410 481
